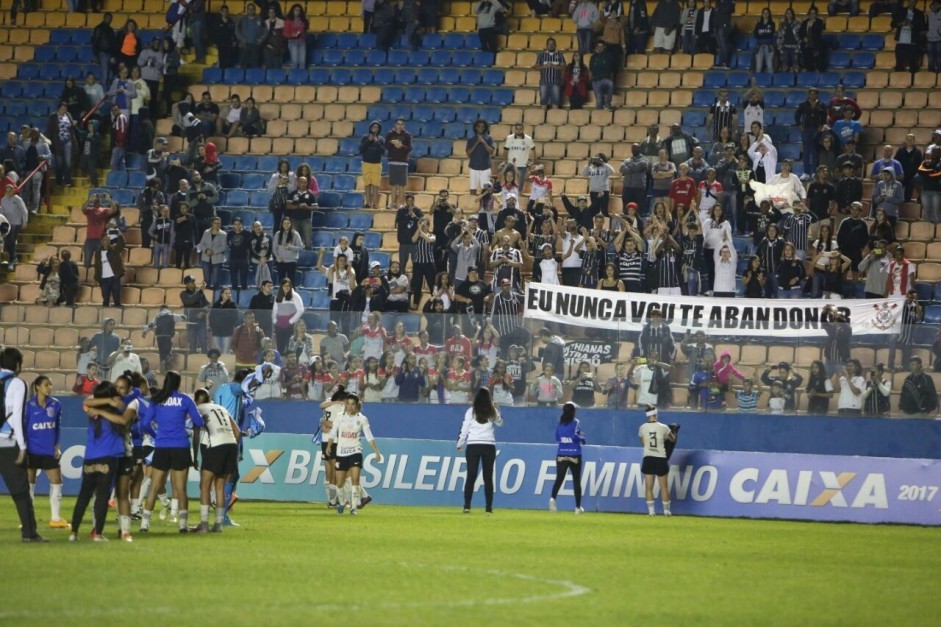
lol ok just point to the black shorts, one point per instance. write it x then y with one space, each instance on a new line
326 456
222 460
138 453
125 466
146 452
172 459
655 466
350 461
41 462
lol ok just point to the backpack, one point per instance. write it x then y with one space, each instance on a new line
165 325
4 381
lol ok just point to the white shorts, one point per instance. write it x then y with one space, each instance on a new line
669 291
662 40
478 178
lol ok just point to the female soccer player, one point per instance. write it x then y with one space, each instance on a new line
43 417
130 468
331 411
218 444
345 434
477 435
104 448
653 436
569 456
172 450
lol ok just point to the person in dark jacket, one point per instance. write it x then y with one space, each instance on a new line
239 243
68 279
569 436
372 148
223 34
636 26
554 350
74 98
410 379
919 395
910 27
109 268
385 23
103 43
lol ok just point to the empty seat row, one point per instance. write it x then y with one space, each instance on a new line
427 113
35 90
63 54
401 58
742 80
347 41
452 95
17 108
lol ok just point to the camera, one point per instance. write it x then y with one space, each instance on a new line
595 161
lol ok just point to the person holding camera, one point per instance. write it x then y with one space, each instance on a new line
109 268
877 392
789 380
876 267
851 385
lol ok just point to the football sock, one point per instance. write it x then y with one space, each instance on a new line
124 523
356 497
219 515
32 492
164 500
331 493
145 519
174 507
204 514
650 509
55 500
144 488
347 492
135 506
183 516
666 506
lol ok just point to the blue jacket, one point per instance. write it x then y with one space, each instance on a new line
570 439
137 437
168 421
409 384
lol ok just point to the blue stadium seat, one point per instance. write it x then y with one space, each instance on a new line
245 163
329 200
60 37
502 97
427 76
405 76
403 111
737 80
455 130
420 148
28 71
116 178
440 149
808 79
135 161
12 89
353 200
849 41
275 76
334 165
864 60
307 258
320 299
360 221
376 58
255 76
344 183
747 43
33 91
362 76
829 79
397 58
46 54
449 76
233 76
839 59
341 76
136 180
471 77
349 146
318 219
854 80
933 314
327 40
423 113
432 129
445 114
354 58
314 281
459 95
297 76
453 41
783 79
493 78
325 181
236 198
694 118
431 41
480 96
322 238
346 41
332 58
254 181
267 163
703 99
714 80
124 196
266 218
373 241
225 215
774 99
212 75
924 334
420 58
381 257
67 54
317 76
873 42
316 163
764 80
383 76
338 220
462 58
792 99
483 59
789 151
414 95
15 108
393 94
436 95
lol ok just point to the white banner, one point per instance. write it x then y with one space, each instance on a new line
747 317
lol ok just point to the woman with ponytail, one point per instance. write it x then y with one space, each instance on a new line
569 456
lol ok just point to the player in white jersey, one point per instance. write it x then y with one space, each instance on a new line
331 411
344 439
218 445
653 436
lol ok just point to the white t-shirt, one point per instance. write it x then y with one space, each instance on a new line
374 342
575 259
643 375
218 425
331 413
519 149
550 271
654 435
346 433
847 399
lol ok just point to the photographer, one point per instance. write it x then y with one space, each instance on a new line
441 213
877 392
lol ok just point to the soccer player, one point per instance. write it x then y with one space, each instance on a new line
653 436
104 448
569 456
127 465
477 434
236 400
43 417
218 443
172 454
344 440
331 411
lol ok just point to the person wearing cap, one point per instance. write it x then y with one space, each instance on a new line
634 172
471 295
109 268
196 310
654 436
14 210
124 359
811 116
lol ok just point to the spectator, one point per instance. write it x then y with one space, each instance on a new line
103 42
239 244
85 383
372 148
813 45
212 250
790 381
480 150
423 264
717 235
250 32
839 103
208 113
811 116
288 309
851 386
487 12
75 101
602 76
385 23
141 128
229 119
184 237
223 318
281 185
840 6
398 147
688 18
506 316
764 34
295 31
299 208
764 157
912 314
161 234
853 235
881 229
225 38
901 274
410 378
127 45
636 26
934 37
656 335
754 106
273 42
342 281
910 27
123 91
615 41
109 268
724 372
213 375
847 129
888 162
919 395
172 80
888 195
551 64
575 85
13 209
651 378
819 389
666 18
262 305
196 312
49 282
119 137
770 251
877 393
679 145
546 390
68 279
929 176
585 16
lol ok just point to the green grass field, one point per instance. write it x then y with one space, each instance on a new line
291 564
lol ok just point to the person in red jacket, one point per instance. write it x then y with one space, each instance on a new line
295 31
97 216
576 81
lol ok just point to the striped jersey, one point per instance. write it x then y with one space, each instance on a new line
346 433
551 75
424 250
